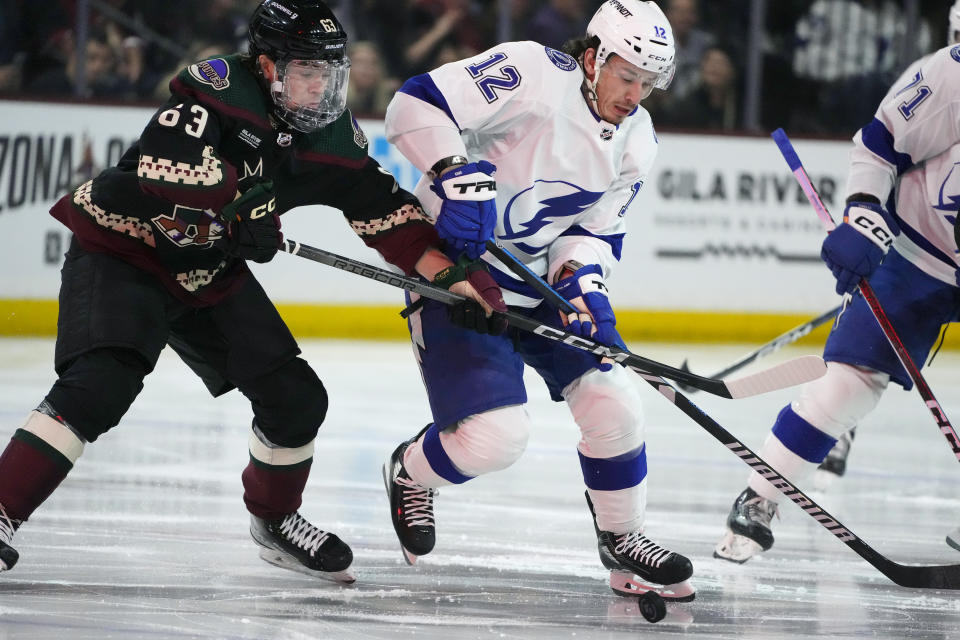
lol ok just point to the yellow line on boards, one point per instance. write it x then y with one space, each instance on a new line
383 322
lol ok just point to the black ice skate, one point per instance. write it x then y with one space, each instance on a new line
411 507
638 565
835 464
748 528
293 543
8 555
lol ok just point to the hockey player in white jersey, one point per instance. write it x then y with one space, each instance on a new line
545 150
835 464
899 230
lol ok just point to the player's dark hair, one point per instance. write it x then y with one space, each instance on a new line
577 46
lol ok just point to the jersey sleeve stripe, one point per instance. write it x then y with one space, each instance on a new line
423 88
615 240
879 140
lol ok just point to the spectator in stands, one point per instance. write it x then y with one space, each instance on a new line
11 48
558 21
414 31
102 79
850 49
691 41
714 101
370 87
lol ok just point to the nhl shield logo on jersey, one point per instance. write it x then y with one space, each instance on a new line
560 59
213 72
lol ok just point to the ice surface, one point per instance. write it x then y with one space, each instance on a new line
147 538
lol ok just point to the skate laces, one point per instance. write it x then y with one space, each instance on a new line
303 534
7 526
417 502
641 548
759 509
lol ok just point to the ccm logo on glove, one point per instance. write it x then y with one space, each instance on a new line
871 224
263 209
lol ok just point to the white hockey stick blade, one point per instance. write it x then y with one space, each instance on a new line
781 376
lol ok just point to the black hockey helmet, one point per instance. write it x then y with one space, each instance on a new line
300 29
308 45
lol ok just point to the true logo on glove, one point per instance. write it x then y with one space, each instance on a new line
477 187
264 209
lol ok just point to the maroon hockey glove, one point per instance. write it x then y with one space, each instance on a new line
469 313
253 224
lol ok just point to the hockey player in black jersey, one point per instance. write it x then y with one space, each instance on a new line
158 258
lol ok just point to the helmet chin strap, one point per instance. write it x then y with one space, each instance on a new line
590 87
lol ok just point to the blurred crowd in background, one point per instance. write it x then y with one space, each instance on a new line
818 66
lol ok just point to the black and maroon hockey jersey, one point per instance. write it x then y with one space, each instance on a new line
159 208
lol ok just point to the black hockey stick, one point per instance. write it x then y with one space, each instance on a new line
793 161
782 340
919 576
786 374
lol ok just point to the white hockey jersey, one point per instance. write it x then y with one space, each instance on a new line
565 178
909 158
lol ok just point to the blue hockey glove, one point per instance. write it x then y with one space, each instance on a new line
468 215
586 290
856 248
469 278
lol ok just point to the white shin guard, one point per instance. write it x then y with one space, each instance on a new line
833 404
841 398
481 443
607 407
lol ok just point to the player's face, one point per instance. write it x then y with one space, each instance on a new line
620 88
306 81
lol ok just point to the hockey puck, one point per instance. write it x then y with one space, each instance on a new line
652 607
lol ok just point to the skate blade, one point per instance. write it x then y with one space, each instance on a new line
284 561
409 557
736 548
954 541
625 583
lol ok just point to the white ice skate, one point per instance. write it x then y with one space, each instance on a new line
638 565
748 528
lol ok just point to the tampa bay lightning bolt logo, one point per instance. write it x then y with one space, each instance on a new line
552 200
213 72
955 53
950 195
560 59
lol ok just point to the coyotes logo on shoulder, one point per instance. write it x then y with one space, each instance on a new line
213 72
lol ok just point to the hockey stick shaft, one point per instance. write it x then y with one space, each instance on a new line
928 577
785 375
777 343
946 428
778 377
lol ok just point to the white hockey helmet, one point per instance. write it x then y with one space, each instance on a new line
638 32
954 23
